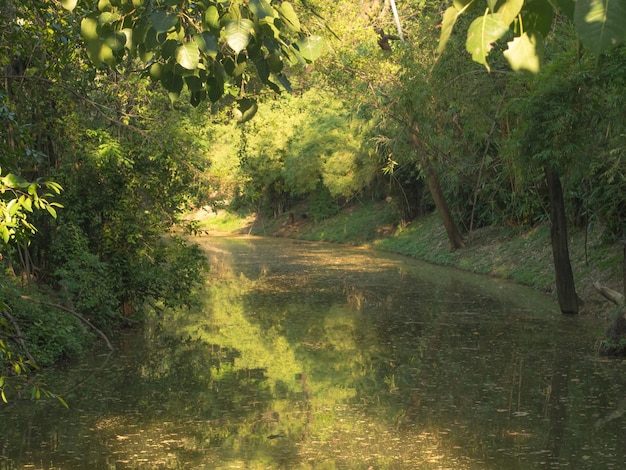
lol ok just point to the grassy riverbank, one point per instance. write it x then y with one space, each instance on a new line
524 256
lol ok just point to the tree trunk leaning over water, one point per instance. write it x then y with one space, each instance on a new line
565 287
454 235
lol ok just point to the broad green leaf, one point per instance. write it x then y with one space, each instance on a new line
567 7
538 16
104 5
275 63
288 14
215 86
310 47
238 34
207 43
188 55
172 82
169 48
163 21
509 10
246 109
601 24
13 181
128 32
3 396
51 211
69 4
261 9
212 18
108 17
12 207
194 83
482 33
197 97
115 41
89 29
524 54
4 232
449 19
106 55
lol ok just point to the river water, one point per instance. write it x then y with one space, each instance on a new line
313 356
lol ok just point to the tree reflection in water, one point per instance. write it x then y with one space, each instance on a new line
312 356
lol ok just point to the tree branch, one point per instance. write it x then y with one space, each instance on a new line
76 314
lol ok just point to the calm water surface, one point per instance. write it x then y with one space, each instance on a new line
311 356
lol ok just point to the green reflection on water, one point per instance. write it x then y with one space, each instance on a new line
311 356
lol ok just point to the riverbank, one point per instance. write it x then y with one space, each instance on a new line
523 256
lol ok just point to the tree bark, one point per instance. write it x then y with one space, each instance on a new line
565 287
454 236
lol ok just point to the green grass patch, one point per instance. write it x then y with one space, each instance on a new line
224 221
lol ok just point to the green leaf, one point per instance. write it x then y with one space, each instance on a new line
246 109
194 83
2 395
89 28
188 56
601 23
69 4
163 21
523 53
4 231
449 19
207 43
104 5
172 82
311 47
509 10
107 17
115 41
238 34
13 181
261 9
482 33
538 16
212 18
275 63
28 204
51 211
288 14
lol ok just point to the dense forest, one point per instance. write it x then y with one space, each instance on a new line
119 116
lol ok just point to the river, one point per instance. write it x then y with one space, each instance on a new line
301 355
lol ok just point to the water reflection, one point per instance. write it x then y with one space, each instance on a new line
313 356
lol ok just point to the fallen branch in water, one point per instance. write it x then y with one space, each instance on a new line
76 314
610 294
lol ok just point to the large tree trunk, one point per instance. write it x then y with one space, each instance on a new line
565 287
454 235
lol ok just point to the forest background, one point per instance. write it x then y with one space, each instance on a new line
121 117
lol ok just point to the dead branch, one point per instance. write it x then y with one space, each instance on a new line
610 294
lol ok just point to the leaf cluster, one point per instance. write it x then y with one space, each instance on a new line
206 46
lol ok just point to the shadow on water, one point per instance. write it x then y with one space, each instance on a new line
300 355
